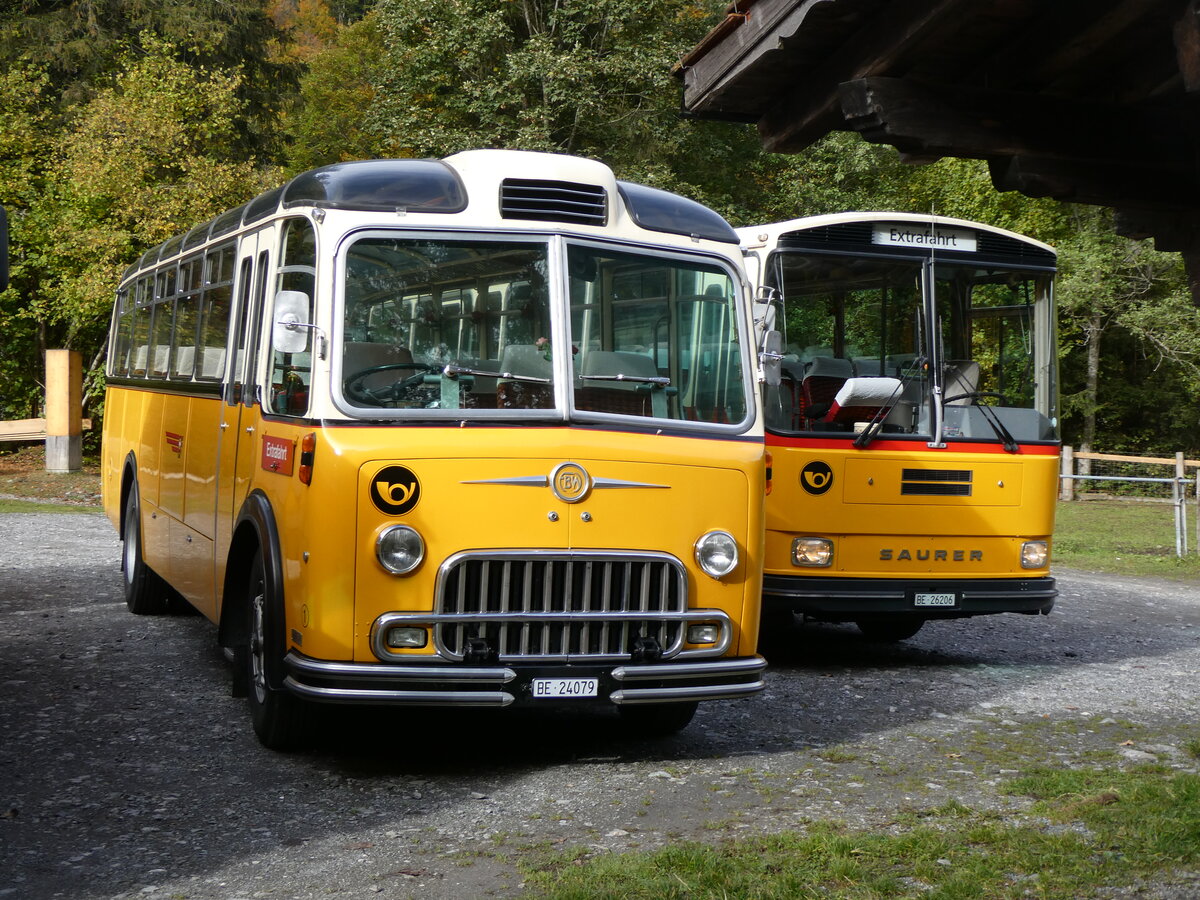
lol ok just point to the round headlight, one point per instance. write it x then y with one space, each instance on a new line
717 553
400 549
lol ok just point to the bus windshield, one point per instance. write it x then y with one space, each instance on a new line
471 324
861 355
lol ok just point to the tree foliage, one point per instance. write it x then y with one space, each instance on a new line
125 121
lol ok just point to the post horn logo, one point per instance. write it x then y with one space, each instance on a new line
395 490
816 477
570 482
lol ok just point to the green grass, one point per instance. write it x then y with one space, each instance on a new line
1123 537
1087 830
33 506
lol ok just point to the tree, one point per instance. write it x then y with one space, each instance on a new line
150 156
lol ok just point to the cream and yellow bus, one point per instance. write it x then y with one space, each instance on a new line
480 431
911 417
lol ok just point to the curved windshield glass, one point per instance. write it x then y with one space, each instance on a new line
860 355
654 337
466 325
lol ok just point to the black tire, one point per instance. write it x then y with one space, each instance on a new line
146 594
888 630
280 719
657 719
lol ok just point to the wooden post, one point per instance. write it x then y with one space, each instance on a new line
64 411
1066 487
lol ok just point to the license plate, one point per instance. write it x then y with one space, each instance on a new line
568 688
950 599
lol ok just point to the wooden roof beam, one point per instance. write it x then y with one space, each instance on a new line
929 121
808 111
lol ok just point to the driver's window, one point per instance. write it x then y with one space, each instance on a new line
291 373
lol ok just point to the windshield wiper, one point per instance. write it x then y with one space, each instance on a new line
875 426
657 380
991 417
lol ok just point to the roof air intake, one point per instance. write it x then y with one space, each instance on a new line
553 201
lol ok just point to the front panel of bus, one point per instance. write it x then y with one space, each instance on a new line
914 430
540 452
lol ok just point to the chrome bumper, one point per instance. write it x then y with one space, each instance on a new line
497 686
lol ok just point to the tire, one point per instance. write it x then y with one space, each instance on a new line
889 630
280 719
657 719
146 594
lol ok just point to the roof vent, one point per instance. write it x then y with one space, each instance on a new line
553 201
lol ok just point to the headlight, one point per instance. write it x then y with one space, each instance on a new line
1035 555
807 551
400 549
717 554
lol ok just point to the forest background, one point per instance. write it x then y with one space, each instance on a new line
124 122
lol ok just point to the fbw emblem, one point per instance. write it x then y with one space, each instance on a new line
816 477
570 482
395 490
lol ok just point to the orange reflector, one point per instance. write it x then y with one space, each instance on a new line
308 449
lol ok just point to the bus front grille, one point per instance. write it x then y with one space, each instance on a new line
556 607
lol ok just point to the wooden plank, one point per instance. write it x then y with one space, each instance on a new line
17 429
1159 460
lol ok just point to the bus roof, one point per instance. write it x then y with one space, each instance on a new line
498 187
758 236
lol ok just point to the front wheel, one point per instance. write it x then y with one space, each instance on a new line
146 594
657 719
280 718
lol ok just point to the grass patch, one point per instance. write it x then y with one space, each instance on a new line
1088 830
1122 537
34 506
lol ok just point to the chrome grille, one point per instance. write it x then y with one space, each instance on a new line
559 606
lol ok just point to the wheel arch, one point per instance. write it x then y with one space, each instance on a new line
128 485
254 529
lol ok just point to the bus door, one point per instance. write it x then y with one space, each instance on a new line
235 455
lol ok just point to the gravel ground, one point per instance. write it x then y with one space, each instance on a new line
127 770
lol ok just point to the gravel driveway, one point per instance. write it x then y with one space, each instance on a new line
127 770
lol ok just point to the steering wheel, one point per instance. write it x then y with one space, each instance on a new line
390 393
976 395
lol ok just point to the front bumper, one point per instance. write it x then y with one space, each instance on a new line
441 684
845 599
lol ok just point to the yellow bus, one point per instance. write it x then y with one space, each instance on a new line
480 431
912 419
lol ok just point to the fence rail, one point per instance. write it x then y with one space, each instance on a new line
1180 482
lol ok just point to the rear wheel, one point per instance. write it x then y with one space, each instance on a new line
146 594
657 719
889 630
280 718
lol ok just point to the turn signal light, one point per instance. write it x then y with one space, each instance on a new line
308 450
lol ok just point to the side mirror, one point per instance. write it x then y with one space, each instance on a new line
290 331
3 249
771 358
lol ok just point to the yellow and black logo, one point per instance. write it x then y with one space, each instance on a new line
395 490
816 477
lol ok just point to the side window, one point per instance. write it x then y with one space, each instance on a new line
187 314
291 373
215 306
139 344
164 321
118 354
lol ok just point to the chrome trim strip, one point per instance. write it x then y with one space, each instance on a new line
519 481
401 697
617 483
695 692
750 665
417 672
